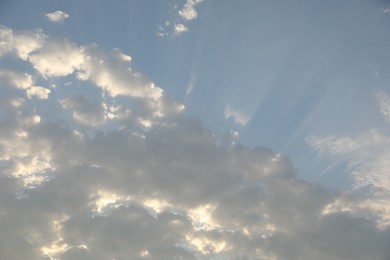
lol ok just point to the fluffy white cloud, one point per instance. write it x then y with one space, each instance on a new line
180 28
22 43
135 178
57 16
38 92
57 58
112 72
188 11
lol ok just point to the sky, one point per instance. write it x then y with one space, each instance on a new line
195 129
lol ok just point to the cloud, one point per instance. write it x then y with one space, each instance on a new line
57 16
180 28
386 10
367 154
367 157
99 171
384 104
57 58
188 11
25 82
22 43
238 116
38 92
85 111
191 85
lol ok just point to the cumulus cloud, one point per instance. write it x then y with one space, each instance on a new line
57 16
104 184
21 43
180 28
188 12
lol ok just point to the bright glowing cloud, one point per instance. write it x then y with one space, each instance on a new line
57 16
112 169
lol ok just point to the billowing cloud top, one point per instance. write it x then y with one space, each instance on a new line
97 163
57 16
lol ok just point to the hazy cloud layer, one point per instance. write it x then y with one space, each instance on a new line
110 169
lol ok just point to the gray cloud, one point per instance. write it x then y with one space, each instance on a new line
128 176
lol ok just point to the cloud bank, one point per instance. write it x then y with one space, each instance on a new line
108 167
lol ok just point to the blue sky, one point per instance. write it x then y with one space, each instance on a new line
221 94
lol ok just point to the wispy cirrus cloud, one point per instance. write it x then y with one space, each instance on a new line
126 175
384 105
238 116
367 156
